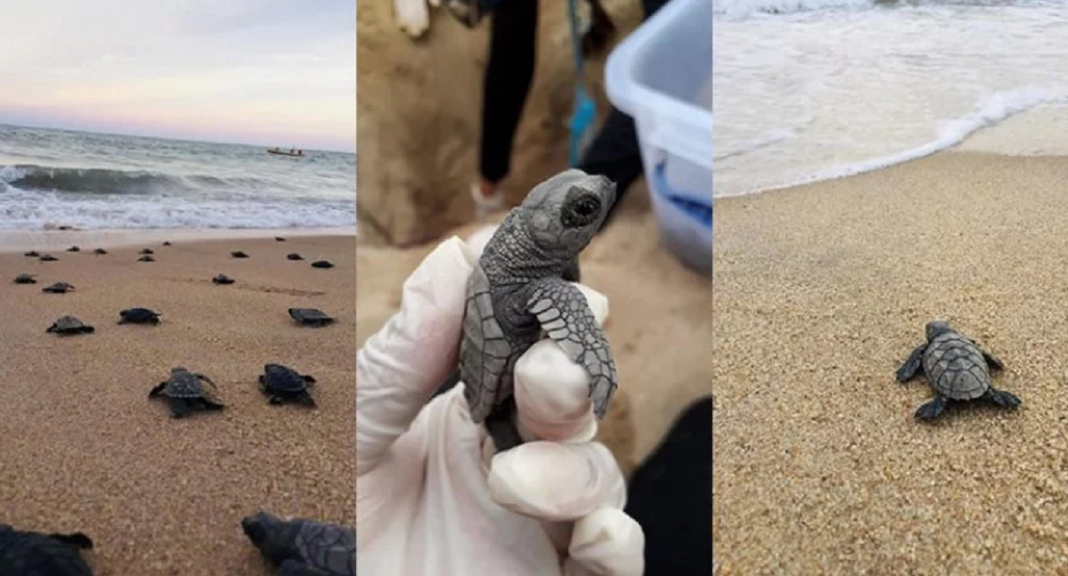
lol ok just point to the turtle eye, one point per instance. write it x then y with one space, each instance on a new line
580 210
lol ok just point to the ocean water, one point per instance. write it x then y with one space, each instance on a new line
52 178
808 90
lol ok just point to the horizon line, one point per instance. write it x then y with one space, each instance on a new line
172 138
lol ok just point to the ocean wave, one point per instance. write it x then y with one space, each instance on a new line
989 112
37 210
769 138
125 182
742 9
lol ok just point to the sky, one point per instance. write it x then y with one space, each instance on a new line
262 72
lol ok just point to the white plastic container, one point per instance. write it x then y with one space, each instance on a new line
661 77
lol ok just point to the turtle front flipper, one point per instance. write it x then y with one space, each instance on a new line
932 409
911 366
206 379
305 399
564 314
1002 398
76 540
157 389
308 379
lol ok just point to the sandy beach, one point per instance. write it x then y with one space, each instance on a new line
84 449
659 321
821 293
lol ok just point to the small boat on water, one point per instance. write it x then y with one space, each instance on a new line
292 152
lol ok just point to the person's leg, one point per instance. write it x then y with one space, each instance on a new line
670 496
509 73
614 152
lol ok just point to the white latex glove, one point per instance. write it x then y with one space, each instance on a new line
413 16
432 498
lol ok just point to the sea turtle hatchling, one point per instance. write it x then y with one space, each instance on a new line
48 258
310 316
146 251
69 325
25 279
58 288
956 369
279 239
146 258
303 547
32 254
294 256
238 254
166 242
100 251
222 279
185 393
282 384
322 264
25 553
138 316
521 286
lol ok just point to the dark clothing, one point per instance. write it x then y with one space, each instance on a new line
509 73
670 496
614 152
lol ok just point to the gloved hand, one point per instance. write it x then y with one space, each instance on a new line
413 16
432 498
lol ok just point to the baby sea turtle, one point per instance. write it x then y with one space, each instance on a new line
310 317
48 258
238 254
100 251
294 256
282 384
138 316
25 553
146 258
74 249
146 251
279 239
166 243
222 279
69 325
956 368
301 546
58 288
31 254
25 279
185 393
322 264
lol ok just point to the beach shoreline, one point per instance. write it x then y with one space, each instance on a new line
821 291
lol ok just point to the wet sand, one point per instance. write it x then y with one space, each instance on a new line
659 324
821 293
82 448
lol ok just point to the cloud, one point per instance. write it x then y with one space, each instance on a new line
241 70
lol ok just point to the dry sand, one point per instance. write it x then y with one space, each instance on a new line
659 323
821 293
83 449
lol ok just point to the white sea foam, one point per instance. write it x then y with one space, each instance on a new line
831 93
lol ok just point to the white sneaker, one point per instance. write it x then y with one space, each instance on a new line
485 206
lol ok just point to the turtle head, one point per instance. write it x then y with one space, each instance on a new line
178 370
564 212
936 329
268 533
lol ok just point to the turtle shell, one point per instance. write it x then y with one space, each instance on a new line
309 316
137 315
322 264
183 384
222 279
279 378
955 367
25 279
69 325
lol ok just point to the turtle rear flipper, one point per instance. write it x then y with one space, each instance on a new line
932 409
912 365
76 540
294 568
87 329
180 407
304 399
1002 398
992 361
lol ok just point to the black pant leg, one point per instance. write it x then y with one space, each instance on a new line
509 74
